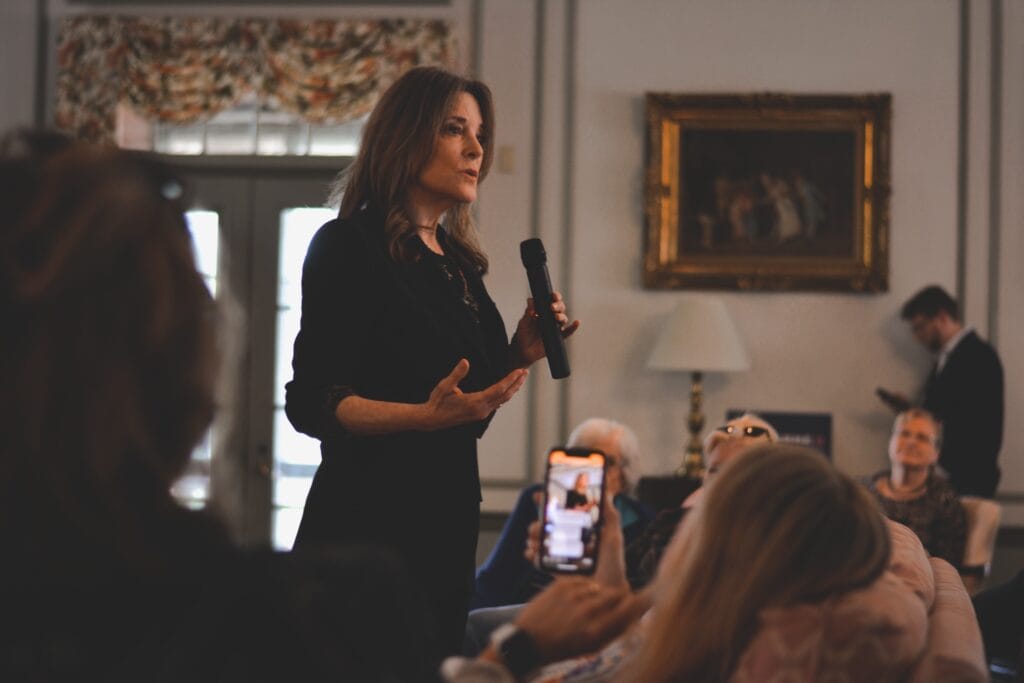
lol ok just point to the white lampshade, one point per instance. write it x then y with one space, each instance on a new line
699 336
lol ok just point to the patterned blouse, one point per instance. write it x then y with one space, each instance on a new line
936 516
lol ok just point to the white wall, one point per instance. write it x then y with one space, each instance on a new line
1010 285
18 32
573 145
809 351
505 216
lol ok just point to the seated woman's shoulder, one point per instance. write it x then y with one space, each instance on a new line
871 481
939 481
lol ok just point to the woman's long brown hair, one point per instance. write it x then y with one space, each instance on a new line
108 357
398 141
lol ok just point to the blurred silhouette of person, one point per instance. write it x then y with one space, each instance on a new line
109 357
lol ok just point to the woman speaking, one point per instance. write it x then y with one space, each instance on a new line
402 357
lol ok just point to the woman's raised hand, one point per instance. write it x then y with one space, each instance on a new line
449 406
611 561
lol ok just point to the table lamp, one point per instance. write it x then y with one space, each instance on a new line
699 337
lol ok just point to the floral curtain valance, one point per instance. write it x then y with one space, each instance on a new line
188 69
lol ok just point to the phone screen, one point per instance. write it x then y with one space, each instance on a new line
574 493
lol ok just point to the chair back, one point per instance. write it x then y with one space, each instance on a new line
983 517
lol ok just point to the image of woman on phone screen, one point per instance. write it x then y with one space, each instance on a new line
402 358
578 497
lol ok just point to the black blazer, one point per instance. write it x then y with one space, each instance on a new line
390 332
967 397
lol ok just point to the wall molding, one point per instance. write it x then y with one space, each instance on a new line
962 152
995 161
569 142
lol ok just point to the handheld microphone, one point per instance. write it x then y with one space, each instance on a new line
535 261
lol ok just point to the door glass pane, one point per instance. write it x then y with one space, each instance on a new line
205 229
193 488
248 127
296 456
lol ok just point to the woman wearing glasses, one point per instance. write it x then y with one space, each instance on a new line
720 446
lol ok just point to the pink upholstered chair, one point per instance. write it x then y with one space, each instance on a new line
916 623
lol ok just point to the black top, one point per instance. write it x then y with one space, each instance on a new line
644 554
574 499
967 397
391 332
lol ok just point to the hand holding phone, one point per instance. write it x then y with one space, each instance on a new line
898 402
572 512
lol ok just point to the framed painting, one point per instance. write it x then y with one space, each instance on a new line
767 192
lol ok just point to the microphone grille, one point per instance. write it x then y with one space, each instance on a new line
532 252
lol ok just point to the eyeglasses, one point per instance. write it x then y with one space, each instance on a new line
919 323
749 430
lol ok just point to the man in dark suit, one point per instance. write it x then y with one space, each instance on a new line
964 391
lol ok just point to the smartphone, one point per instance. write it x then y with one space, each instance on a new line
572 510
890 399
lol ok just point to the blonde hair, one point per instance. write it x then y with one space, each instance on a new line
780 528
398 142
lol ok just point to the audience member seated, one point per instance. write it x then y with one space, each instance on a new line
913 493
506 577
642 553
108 359
720 446
784 571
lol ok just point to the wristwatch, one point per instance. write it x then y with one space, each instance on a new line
517 650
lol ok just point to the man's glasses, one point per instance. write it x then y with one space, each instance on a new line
749 430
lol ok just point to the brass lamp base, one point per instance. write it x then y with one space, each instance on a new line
693 462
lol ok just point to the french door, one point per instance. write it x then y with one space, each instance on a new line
250 229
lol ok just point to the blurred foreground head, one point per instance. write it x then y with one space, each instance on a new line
779 526
108 354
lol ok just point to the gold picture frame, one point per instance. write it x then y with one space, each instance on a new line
767 192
